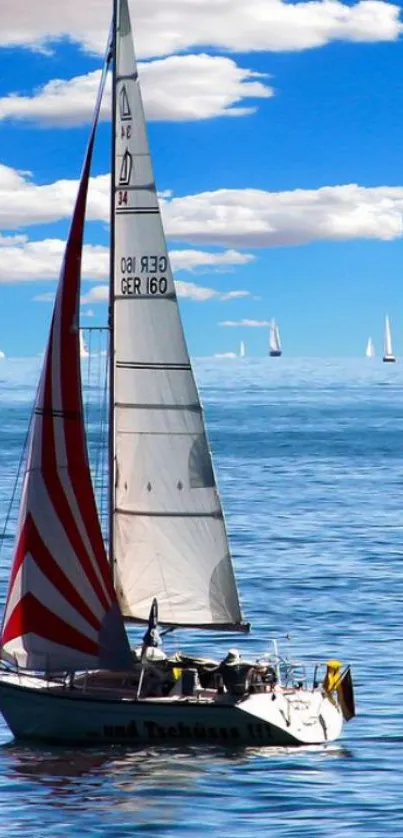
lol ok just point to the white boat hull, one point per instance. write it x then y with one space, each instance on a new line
44 711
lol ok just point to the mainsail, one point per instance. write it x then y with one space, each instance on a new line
61 610
169 539
242 350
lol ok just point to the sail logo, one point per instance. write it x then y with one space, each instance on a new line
126 169
124 105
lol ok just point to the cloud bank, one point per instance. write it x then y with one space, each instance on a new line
22 260
162 28
178 88
247 324
231 218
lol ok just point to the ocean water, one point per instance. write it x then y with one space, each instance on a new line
309 458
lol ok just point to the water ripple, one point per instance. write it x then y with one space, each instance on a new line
308 456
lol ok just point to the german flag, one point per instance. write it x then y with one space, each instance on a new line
345 694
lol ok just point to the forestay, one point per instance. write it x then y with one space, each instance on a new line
169 534
61 610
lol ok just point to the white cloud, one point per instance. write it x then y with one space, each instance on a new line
240 25
191 291
226 355
255 218
96 294
23 202
189 260
6 241
248 324
47 297
226 217
33 260
233 295
23 260
181 87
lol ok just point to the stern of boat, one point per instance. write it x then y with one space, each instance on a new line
295 716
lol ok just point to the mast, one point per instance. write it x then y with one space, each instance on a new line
111 317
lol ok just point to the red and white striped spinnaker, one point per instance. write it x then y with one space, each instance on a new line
61 611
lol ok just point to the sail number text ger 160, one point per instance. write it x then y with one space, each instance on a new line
142 275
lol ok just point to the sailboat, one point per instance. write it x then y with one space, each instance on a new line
84 353
274 341
388 356
242 350
67 671
370 349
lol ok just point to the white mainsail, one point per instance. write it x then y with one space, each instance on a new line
169 538
388 349
274 339
242 350
370 349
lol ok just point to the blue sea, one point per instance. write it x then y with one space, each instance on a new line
309 459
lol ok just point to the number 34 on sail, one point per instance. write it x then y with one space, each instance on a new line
67 672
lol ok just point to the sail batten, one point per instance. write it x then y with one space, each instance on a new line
242 628
181 514
169 537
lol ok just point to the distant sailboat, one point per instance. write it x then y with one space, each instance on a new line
274 341
242 350
370 349
388 356
83 346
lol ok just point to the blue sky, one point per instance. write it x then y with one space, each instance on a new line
276 135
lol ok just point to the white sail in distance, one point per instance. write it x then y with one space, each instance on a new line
388 349
242 350
274 339
370 349
169 538
84 353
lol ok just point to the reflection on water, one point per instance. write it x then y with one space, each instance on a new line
150 785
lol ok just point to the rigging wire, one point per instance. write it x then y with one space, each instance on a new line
103 435
21 462
86 381
96 414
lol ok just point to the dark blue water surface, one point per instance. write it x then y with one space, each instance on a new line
309 457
